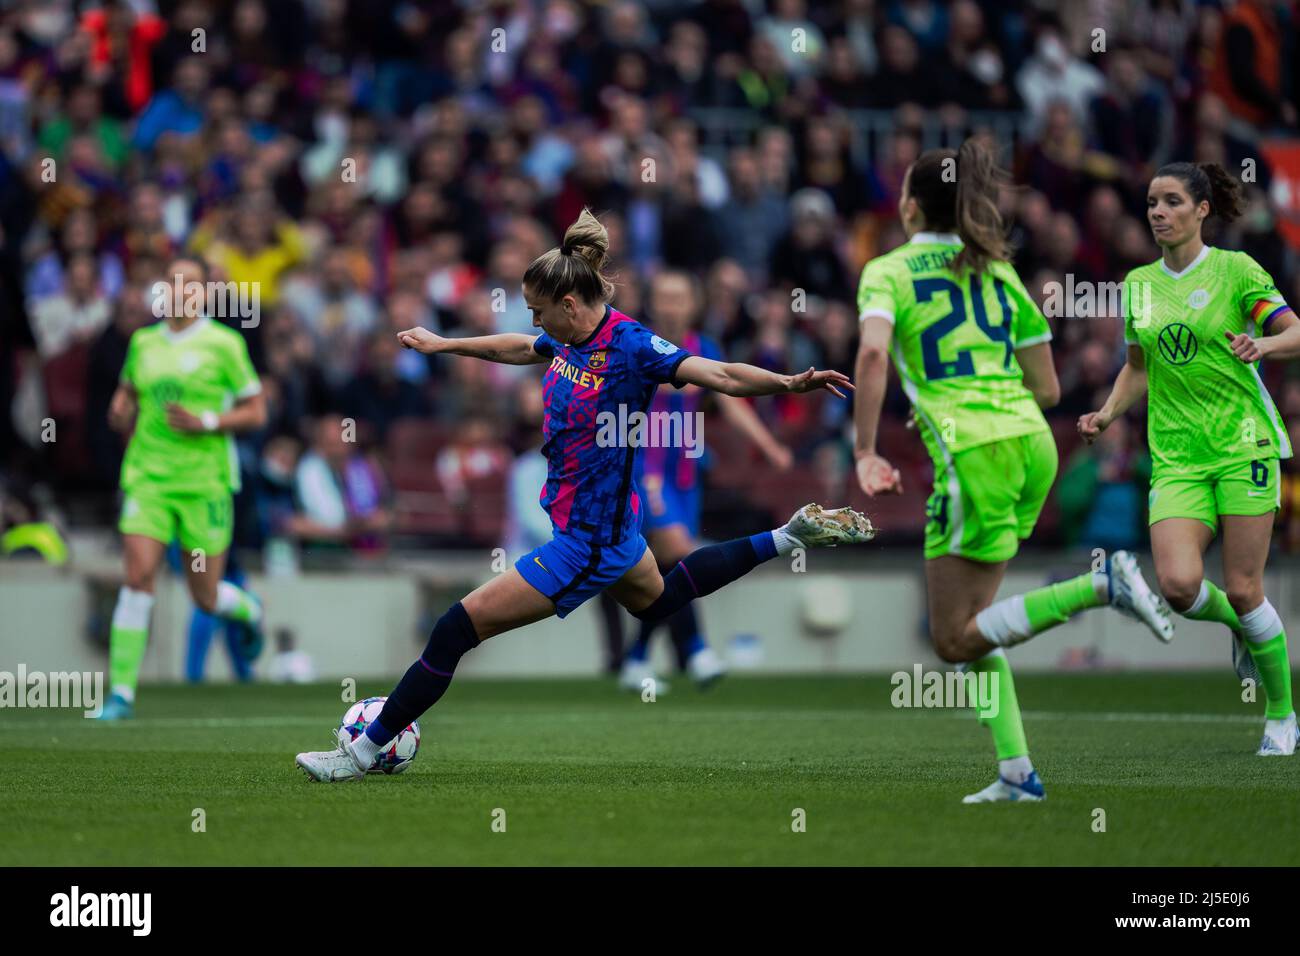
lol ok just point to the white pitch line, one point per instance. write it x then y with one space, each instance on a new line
692 716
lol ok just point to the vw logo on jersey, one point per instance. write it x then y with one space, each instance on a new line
167 390
190 362
1177 344
1199 299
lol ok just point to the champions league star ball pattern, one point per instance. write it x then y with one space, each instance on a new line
394 758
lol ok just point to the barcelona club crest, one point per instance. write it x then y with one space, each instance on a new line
597 360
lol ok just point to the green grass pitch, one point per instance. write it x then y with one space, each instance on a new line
586 775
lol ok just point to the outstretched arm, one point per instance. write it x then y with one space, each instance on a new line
737 378
1130 386
508 348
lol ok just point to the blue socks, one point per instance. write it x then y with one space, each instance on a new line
429 677
701 572
683 627
705 570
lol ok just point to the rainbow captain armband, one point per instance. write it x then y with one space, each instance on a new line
1265 311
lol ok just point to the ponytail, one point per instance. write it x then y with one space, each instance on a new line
576 267
979 223
958 192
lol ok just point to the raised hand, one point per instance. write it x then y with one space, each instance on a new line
1244 347
422 340
814 379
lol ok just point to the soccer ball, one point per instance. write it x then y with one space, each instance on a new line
394 758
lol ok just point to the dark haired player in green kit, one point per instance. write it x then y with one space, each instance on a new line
1197 322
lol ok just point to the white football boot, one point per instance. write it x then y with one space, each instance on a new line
816 527
1243 662
332 766
1002 790
1132 596
705 667
1279 737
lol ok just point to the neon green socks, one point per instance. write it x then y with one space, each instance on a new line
1212 604
236 604
1266 641
1055 604
1004 722
1016 619
127 641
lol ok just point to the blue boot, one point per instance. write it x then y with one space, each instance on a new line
117 707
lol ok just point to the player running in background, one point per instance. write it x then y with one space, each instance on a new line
601 363
241 646
187 386
668 481
972 352
1197 321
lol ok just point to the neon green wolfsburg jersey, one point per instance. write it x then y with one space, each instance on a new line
1205 406
954 342
204 367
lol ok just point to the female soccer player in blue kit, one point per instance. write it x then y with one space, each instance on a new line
604 367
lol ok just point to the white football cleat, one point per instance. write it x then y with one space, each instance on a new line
1002 790
331 766
816 527
1132 596
1243 662
705 667
1279 737
633 675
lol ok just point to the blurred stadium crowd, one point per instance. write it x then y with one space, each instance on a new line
757 144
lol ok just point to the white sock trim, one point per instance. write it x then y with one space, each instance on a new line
364 751
132 610
1261 624
1015 769
1005 623
125 691
231 599
785 542
1202 599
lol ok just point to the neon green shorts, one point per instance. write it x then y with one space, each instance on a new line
202 522
1236 488
987 499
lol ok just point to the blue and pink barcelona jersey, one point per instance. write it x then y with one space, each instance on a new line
676 466
590 492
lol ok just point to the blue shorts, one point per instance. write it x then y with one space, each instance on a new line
670 505
570 571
